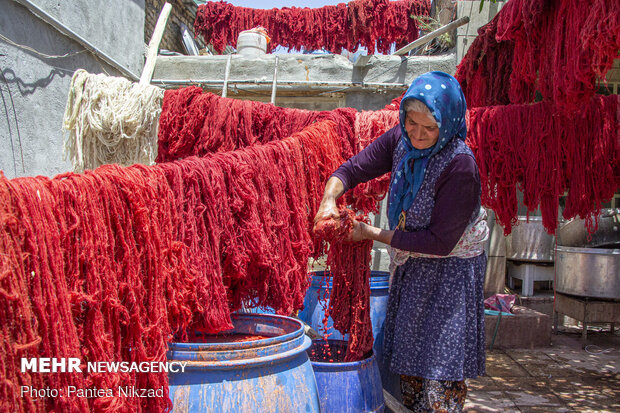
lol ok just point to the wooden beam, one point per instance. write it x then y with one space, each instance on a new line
430 36
151 51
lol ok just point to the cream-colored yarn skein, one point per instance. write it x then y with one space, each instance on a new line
110 120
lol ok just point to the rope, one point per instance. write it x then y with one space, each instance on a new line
110 120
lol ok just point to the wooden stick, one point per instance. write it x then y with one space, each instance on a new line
393 404
151 51
427 38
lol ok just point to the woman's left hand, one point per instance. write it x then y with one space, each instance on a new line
357 233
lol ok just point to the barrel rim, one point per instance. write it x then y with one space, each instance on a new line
581 250
262 361
265 342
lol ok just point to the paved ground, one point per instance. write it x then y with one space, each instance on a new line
562 378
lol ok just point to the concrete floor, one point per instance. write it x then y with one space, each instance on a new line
571 375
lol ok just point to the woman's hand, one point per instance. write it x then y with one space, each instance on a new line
327 209
334 188
357 234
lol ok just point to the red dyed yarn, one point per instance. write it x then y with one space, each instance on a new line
547 153
484 72
356 23
559 48
349 301
368 126
197 123
109 265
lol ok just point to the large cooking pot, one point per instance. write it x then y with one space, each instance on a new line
529 241
588 272
573 233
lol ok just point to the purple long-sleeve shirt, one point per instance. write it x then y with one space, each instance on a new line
457 194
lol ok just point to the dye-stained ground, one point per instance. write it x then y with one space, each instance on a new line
571 375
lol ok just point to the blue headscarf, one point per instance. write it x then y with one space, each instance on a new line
444 97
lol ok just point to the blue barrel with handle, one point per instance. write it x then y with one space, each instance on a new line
271 373
345 387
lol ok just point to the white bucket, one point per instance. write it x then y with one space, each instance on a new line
250 43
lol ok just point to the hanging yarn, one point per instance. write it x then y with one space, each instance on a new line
110 120
349 301
560 48
110 264
368 126
197 123
365 23
545 153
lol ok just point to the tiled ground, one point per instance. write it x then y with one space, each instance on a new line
562 378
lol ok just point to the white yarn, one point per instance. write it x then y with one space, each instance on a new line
110 120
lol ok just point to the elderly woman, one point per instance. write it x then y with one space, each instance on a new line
434 327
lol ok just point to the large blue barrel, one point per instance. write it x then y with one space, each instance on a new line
353 387
314 312
272 374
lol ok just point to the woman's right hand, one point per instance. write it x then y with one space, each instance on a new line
327 209
334 188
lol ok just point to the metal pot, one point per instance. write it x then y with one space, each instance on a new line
529 241
588 272
573 233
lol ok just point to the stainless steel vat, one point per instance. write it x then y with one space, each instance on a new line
529 241
573 233
588 272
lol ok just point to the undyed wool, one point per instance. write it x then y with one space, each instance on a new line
110 120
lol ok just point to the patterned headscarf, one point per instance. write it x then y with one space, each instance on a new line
442 94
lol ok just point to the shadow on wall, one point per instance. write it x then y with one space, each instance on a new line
10 77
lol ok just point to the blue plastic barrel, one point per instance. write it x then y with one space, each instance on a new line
353 387
314 312
268 374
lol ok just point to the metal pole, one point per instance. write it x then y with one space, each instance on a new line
430 36
164 82
275 82
225 87
43 15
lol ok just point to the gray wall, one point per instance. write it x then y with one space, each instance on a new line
34 88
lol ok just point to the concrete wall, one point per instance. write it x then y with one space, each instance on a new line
34 88
466 34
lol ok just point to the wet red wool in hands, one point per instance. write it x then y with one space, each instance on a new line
111 264
349 265
366 23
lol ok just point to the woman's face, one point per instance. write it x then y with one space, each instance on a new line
421 129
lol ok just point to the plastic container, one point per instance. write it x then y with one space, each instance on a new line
352 387
251 43
314 312
267 374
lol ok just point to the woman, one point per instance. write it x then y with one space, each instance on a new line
434 327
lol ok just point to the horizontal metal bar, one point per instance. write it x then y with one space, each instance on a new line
163 82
